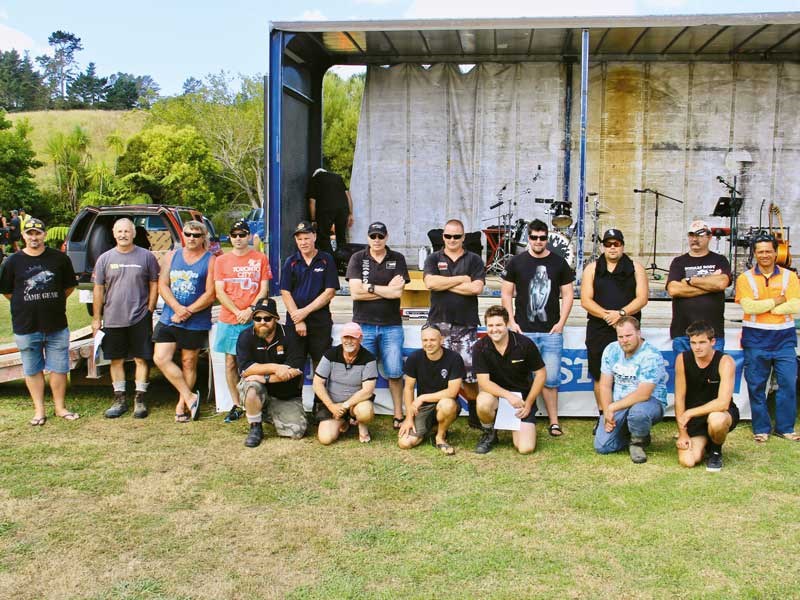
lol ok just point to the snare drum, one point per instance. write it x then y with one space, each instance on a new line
561 214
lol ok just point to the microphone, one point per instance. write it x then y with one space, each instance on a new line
720 179
635 191
493 206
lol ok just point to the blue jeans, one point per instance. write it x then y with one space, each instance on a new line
550 346
681 344
40 351
757 364
635 421
386 344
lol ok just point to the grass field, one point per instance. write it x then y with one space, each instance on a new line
99 124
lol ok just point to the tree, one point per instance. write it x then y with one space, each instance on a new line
70 157
341 109
147 89
17 162
59 69
20 85
192 85
123 94
88 89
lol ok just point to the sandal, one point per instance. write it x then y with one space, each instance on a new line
760 438
184 418
446 448
555 430
38 421
364 438
397 423
195 407
70 416
791 436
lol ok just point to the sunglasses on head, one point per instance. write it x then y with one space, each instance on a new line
240 234
376 236
192 235
452 236
430 326
264 319
541 238
612 244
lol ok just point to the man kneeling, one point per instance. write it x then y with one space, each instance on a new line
270 364
437 373
704 410
344 387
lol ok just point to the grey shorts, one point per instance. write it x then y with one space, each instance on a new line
425 420
287 415
460 339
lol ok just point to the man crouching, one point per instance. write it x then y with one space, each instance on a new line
270 365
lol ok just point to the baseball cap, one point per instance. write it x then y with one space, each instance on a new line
613 234
266 305
240 225
699 226
377 227
352 330
304 227
34 224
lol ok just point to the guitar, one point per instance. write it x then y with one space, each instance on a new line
784 256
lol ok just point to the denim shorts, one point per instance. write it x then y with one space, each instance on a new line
550 346
226 336
386 344
44 351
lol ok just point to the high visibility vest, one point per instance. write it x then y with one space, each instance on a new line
767 320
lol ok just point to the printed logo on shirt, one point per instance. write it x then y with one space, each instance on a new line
279 350
391 265
442 266
319 270
365 270
518 360
443 373
37 287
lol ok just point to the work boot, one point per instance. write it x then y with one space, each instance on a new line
255 436
119 407
139 408
487 441
636 449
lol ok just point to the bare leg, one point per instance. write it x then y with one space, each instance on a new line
487 408
252 404
328 431
597 395
551 403
694 454
363 412
525 438
446 413
719 424
396 389
117 369
58 386
35 385
142 369
162 356
232 377
189 360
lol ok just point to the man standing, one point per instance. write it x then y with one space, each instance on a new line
633 392
14 231
125 295
271 368
456 278
187 286
344 388
330 203
37 280
696 283
377 276
539 277
308 284
509 366
612 287
704 411
240 279
437 373
770 297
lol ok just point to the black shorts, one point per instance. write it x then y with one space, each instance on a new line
698 426
135 341
186 339
596 342
316 341
321 412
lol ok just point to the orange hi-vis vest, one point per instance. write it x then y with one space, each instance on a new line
764 289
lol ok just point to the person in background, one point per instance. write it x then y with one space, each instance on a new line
330 204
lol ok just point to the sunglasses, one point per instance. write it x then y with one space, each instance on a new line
612 244
376 236
452 236
541 238
430 326
239 235
701 233
192 235
263 319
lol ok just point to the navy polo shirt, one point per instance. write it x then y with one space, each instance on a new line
305 282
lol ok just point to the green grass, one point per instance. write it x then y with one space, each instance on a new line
149 509
77 317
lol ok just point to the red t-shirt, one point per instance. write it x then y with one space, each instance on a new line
242 277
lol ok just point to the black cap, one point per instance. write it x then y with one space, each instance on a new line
240 225
613 234
377 227
34 224
304 227
268 306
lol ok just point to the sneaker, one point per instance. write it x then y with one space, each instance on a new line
487 441
119 407
255 436
714 462
234 414
636 449
139 407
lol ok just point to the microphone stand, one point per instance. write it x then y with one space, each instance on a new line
653 266
736 204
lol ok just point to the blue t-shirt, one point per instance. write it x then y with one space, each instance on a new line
645 366
188 283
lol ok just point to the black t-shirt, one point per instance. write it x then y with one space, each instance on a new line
37 285
329 192
537 306
708 307
433 376
362 266
514 369
282 350
13 229
447 306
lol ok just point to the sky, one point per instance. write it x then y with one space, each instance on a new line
171 40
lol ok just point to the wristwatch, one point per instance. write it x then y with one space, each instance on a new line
371 288
622 312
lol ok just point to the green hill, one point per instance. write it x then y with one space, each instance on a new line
99 124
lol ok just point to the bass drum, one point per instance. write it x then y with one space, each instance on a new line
559 244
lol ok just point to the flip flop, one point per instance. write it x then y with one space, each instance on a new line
791 436
184 418
555 430
195 407
70 416
446 449
365 438
38 421
760 438
397 423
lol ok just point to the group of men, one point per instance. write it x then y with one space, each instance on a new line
518 359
